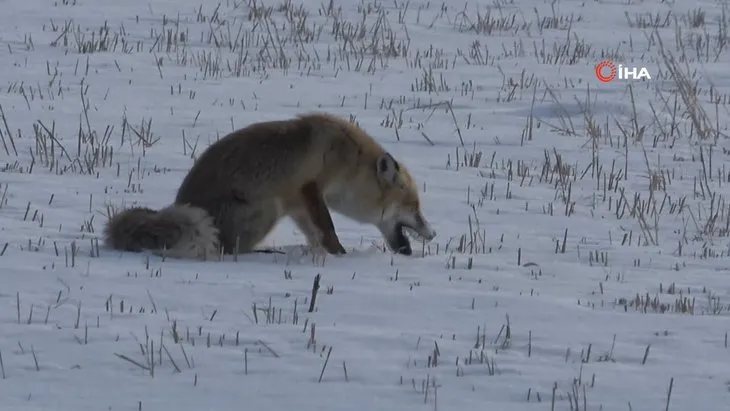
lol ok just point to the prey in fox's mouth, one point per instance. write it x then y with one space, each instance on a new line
398 240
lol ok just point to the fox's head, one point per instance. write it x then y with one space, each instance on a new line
400 206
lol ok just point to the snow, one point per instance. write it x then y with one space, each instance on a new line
524 303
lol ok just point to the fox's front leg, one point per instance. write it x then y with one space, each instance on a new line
316 222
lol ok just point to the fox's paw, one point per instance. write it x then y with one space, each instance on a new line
332 245
335 249
321 251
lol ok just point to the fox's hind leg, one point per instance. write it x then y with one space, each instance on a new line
243 227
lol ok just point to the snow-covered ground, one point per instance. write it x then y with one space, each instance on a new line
582 254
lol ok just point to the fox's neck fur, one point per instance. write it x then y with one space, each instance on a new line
341 197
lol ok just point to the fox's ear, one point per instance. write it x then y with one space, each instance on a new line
387 168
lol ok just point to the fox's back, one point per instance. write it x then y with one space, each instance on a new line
256 153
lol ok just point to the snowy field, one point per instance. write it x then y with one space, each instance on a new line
582 257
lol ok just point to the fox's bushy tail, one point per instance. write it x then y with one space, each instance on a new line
178 231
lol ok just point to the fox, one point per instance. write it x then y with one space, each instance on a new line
243 184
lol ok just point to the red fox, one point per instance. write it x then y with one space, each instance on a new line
246 182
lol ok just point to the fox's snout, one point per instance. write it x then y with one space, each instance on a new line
418 224
394 231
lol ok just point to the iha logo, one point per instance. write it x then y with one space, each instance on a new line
607 71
